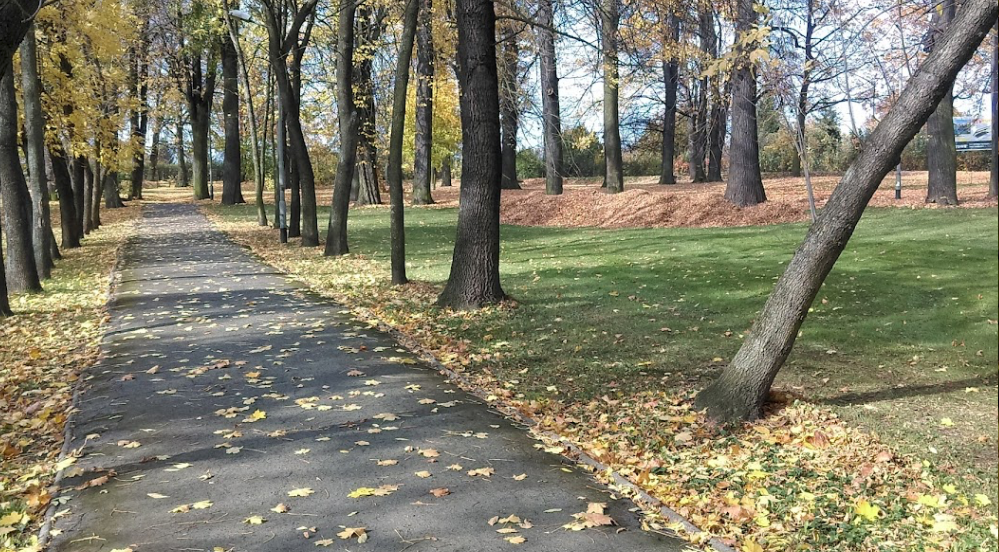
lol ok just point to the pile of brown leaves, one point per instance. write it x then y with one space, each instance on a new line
43 348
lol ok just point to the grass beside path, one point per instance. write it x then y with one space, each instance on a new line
613 330
44 348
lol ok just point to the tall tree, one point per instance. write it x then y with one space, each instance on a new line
289 28
424 105
745 183
474 280
509 94
199 90
183 179
255 142
15 17
718 115
671 82
67 198
232 163
941 151
994 181
742 389
336 237
370 25
139 116
551 114
610 18
34 126
398 130
21 270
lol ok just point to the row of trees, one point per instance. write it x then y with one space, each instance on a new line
186 40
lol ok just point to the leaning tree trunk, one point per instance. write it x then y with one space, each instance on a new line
424 105
398 129
21 268
232 163
550 110
336 237
742 389
509 107
297 147
67 198
745 183
941 151
295 195
613 164
34 126
994 182
474 280
671 80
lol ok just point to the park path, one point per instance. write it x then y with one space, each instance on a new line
225 391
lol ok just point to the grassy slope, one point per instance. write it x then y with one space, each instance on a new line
904 326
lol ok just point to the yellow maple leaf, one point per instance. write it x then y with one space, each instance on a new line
304 491
866 510
749 545
254 520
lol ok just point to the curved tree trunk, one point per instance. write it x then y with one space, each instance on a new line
21 269
941 151
394 170
423 149
550 110
745 183
741 390
34 126
474 280
613 164
336 237
232 163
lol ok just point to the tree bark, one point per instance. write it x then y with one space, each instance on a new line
139 117
941 151
671 82
474 280
154 150
34 126
423 149
336 237
509 95
4 301
697 139
88 197
21 268
232 163
716 134
613 164
15 18
745 183
200 95
551 117
369 25
67 198
183 180
295 192
994 181
398 129
446 172
742 389
258 155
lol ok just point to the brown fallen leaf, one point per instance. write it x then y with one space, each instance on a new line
439 492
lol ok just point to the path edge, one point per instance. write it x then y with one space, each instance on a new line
114 280
575 454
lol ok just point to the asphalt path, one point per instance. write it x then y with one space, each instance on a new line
232 412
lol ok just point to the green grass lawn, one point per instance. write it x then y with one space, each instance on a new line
902 336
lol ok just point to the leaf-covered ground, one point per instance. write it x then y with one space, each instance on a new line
43 348
614 329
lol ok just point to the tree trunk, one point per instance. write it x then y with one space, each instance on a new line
745 183
336 237
741 390
21 268
941 151
716 136
366 174
394 170
183 181
446 172
474 280
139 117
994 181
88 197
295 192
200 95
154 151
67 198
79 176
697 139
291 90
258 155
671 81
4 301
613 164
509 73
98 193
15 18
232 163
423 149
34 126
551 117
112 198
